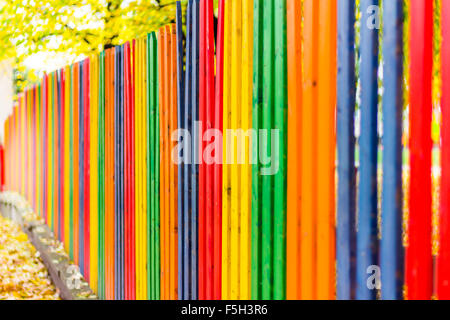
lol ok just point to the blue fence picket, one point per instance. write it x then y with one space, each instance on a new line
391 249
367 242
346 84
188 166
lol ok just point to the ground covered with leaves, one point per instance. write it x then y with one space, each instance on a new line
23 276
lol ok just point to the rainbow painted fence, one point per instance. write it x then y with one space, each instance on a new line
91 147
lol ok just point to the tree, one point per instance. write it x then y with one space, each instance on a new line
75 27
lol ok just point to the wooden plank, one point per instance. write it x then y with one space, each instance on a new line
150 149
258 70
67 158
195 150
24 146
162 160
10 151
143 138
86 168
101 176
419 275
13 146
443 263
202 166
326 145
226 168
294 149
243 155
127 150
81 141
17 146
39 148
280 165
128 173
60 159
12 134
138 116
181 166
34 159
102 151
38 112
50 113
93 175
145 173
167 168
4 178
136 175
75 174
123 188
33 167
308 209
157 202
120 174
7 147
346 193
23 143
110 180
367 242
187 204
16 149
28 143
55 150
117 162
28 99
70 163
267 124
55 127
137 196
132 172
35 146
391 243
7 154
218 125
164 173
58 156
32 150
2 158
144 155
154 163
235 123
173 225
208 165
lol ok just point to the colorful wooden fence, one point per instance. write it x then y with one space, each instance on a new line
262 197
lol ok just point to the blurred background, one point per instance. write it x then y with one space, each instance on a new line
38 36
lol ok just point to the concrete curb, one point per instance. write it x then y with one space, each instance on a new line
64 274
